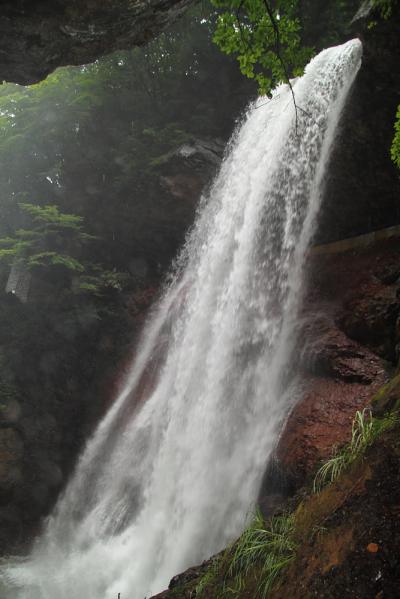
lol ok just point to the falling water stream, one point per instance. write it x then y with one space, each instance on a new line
169 480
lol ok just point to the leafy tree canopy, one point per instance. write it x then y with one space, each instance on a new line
266 39
273 41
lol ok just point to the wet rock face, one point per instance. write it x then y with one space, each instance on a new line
37 37
348 349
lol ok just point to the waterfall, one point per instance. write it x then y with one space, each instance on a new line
170 475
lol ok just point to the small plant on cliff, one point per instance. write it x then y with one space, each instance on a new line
209 577
395 150
365 429
264 547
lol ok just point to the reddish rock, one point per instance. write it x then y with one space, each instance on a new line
321 421
350 314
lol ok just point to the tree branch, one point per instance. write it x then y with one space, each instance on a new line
277 35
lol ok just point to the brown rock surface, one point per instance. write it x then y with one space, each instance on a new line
350 314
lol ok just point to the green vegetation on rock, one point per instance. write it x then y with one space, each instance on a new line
365 429
395 150
257 558
267 546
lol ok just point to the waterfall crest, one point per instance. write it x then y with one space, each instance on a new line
169 480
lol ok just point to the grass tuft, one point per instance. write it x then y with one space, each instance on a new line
365 429
209 577
263 547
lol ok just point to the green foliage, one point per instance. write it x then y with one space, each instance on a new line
395 149
36 247
265 547
265 39
51 216
53 259
100 281
365 429
385 7
210 577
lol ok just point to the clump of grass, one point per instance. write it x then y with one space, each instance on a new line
365 429
264 547
208 577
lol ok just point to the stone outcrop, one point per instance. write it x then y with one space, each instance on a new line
37 37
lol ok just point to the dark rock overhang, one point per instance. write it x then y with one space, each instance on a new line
37 36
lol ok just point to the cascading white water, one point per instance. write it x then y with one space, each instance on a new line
169 481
